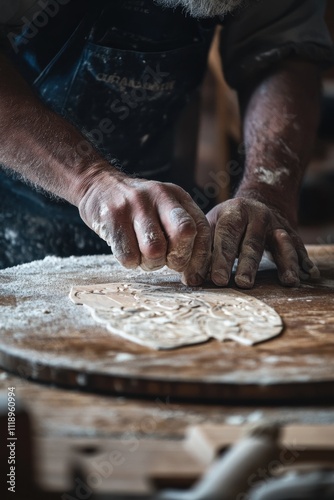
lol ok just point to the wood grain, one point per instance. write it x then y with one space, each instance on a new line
45 338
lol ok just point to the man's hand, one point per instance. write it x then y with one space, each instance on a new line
149 224
280 110
146 223
243 228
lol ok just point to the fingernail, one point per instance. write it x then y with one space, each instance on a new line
220 278
243 280
290 278
311 274
314 273
311 269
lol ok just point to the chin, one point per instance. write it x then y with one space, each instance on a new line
203 8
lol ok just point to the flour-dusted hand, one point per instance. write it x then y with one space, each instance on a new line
243 228
149 224
146 223
278 137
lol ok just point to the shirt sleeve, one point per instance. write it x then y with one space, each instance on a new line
264 32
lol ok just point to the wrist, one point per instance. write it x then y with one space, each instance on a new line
283 201
91 175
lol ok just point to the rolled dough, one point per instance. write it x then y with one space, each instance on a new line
161 317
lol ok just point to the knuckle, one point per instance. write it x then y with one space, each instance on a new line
282 235
182 224
139 199
248 262
228 228
186 228
186 197
206 234
177 190
117 209
154 248
252 247
120 212
232 218
251 208
153 187
161 191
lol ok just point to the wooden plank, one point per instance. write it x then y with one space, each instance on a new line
117 466
207 441
77 432
46 338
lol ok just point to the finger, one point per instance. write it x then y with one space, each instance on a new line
286 257
121 239
197 269
151 242
305 263
180 229
228 233
250 254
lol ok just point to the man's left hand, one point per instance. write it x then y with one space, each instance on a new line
243 228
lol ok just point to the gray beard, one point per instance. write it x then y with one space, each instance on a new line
203 8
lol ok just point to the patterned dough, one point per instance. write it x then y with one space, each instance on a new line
161 317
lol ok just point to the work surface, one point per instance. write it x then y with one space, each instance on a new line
47 338
150 436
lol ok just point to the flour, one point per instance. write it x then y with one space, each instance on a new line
271 177
38 323
35 309
100 226
101 229
104 210
150 237
147 233
178 216
23 309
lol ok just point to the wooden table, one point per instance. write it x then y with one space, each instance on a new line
149 433
46 338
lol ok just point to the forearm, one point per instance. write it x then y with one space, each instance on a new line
281 116
146 223
42 147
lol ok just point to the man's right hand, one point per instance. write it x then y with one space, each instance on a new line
148 224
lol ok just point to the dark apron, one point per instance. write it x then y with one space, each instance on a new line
122 72
126 95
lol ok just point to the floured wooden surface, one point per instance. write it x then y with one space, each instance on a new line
44 337
161 318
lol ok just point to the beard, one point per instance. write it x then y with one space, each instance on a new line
203 8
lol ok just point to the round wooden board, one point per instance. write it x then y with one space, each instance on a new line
44 337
